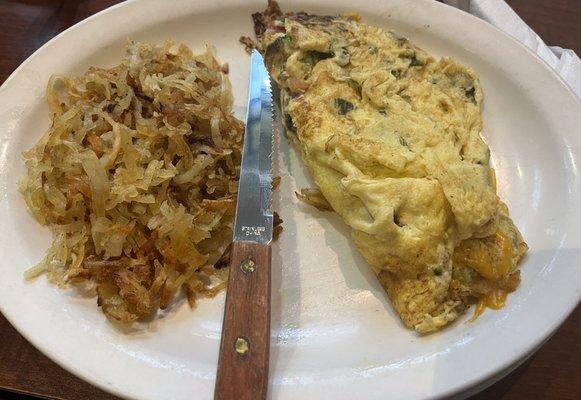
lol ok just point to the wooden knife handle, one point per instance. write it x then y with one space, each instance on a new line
243 361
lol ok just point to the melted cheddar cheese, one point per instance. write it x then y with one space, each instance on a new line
476 254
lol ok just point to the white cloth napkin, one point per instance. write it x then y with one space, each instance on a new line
498 13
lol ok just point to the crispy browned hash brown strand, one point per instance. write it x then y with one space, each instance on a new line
137 179
391 136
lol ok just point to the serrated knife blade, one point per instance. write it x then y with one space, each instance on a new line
253 210
244 349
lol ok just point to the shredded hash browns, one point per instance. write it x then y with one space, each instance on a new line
137 179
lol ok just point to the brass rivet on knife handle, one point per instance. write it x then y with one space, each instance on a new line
241 346
248 266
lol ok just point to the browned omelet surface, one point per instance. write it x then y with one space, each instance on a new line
391 136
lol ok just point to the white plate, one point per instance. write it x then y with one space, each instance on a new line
334 333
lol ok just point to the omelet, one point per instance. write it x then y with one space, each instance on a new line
392 138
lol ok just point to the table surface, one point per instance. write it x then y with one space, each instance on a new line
554 372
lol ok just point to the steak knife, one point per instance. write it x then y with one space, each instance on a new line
244 349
